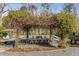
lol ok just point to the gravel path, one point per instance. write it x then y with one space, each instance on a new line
72 51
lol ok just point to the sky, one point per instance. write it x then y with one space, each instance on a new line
55 7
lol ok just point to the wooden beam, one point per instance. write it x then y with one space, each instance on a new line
50 31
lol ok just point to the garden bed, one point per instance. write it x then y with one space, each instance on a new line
32 49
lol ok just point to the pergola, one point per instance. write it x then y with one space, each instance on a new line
48 23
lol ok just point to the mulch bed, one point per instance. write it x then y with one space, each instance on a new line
31 49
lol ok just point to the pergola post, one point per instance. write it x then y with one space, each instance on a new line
17 38
50 32
27 33
27 28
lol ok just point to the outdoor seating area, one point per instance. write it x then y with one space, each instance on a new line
39 40
30 27
24 40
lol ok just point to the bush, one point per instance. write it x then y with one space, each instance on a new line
3 34
65 41
68 23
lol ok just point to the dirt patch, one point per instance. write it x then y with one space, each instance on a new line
31 49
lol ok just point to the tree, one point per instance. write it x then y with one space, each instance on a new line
46 7
68 8
2 6
16 19
68 22
71 8
23 8
2 11
31 7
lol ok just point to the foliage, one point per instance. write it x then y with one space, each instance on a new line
15 18
46 7
66 41
23 8
2 6
68 23
68 8
5 21
31 7
19 18
56 31
1 32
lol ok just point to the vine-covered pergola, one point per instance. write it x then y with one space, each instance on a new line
23 20
39 23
